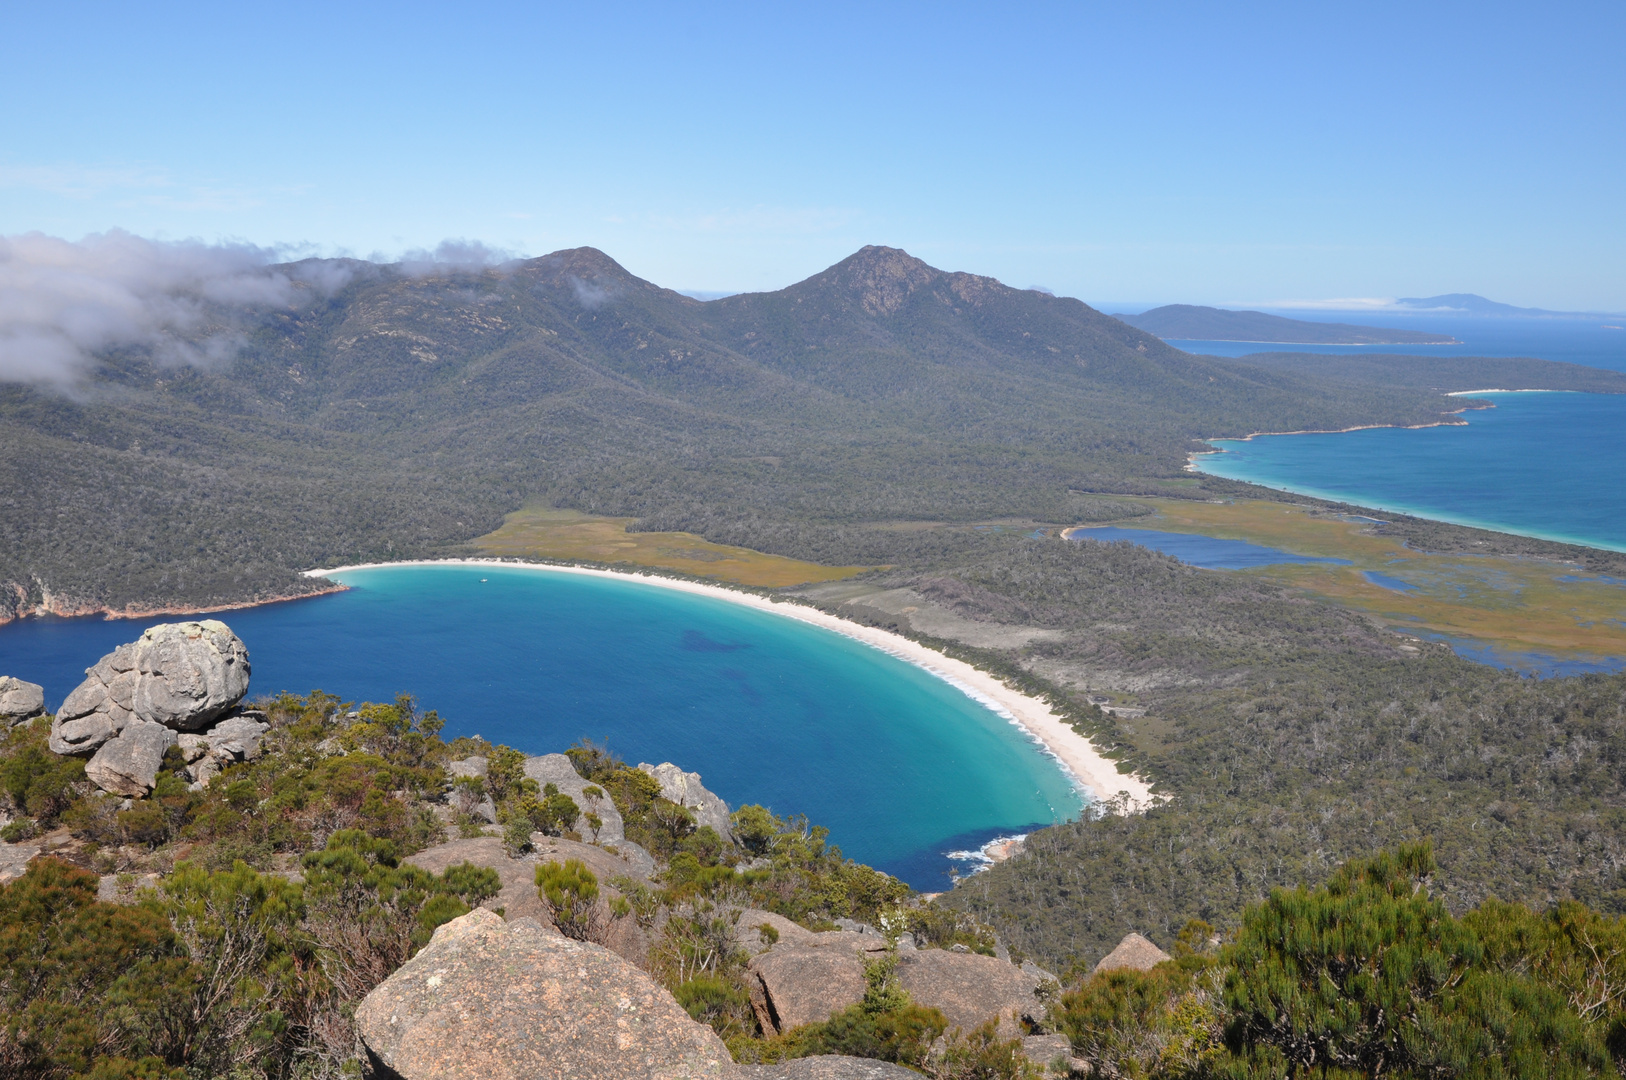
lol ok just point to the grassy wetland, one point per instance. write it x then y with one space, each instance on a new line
1514 603
540 532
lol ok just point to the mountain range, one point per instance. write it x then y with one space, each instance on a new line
397 411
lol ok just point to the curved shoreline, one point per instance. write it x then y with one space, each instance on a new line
1193 465
1077 757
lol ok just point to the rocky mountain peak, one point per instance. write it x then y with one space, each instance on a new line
883 277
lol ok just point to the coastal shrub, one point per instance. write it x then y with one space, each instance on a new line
886 1025
239 929
82 980
980 1054
756 829
367 912
593 761
35 781
23 828
1371 973
571 892
720 1002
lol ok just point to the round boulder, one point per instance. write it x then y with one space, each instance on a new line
19 700
180 675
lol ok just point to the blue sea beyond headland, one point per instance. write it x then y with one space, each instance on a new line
900 765
1538 464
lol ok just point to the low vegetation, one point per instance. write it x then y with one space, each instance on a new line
233 930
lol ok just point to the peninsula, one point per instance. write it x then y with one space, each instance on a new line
1189 322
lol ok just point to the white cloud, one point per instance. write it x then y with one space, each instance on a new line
1348 303
63 301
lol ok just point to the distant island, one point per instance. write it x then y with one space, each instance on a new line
1471 304
1189 322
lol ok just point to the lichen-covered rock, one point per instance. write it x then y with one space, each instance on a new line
971 989
128 765
19 700
556 769
804 980
685 789
236 738
828 1067
84 734
471 767
488 1000
181 675
750 936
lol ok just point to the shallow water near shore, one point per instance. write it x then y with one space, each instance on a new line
901 766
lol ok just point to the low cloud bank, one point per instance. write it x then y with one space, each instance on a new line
64 301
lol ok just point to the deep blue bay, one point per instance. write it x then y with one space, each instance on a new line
1539 464
900 765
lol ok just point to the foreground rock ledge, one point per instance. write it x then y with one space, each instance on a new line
489 1000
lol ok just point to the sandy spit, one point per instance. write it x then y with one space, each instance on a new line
1079 759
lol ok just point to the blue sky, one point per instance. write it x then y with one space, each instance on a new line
1208 153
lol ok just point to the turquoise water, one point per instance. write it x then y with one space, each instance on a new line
1538 464
1205 551
901 766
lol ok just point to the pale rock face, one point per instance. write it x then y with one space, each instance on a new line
181 675
176 677
685 789
486 1000
556 769
19 700
128 765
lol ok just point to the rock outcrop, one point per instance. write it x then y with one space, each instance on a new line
518 897
828 1067
803 980
488 1000
19 700
685 789
556 769
128 765
971 989
179 677
1133 952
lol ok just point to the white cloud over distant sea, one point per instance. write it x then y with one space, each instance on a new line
1348 303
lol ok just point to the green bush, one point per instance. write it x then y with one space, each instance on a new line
571 893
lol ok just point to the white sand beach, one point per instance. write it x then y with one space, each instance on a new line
1077 756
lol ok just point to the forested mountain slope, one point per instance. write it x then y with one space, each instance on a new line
404 413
